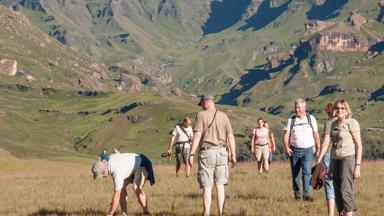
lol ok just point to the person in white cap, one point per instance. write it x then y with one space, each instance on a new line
125 169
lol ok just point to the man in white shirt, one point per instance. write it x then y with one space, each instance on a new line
125 169
183 133
300 137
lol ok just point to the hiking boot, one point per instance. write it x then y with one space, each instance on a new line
308 198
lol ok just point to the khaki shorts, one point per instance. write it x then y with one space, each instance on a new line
213 167
261 152
138 178
182 157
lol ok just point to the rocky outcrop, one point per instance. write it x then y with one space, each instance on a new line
8 67
296 6
274 61
274 110
271 48
277 3
314 26
59 33
88 82
176 91
131 82
135 118
251 9
168 8
381 14
356 20
322 62
340 42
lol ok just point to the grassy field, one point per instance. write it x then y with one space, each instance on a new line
39 187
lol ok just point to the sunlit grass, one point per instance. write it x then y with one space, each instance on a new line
40 187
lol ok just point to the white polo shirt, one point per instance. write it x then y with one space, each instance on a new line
121 166
302 133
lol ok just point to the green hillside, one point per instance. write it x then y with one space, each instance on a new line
66 123
257 56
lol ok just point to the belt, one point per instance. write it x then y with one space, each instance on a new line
262 144
211 146
183 142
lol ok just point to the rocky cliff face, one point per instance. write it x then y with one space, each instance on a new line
251 9
340 42
356 20
131 82
322 62
8 67
314 26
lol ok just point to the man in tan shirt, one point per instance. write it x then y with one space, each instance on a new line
213 135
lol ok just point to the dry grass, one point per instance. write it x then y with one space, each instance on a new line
53 188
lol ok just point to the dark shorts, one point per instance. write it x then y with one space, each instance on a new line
182 155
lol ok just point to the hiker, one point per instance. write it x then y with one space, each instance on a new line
260 145
213 136
104 156
125 169
344 135
183 133
300 137
272 144
328 186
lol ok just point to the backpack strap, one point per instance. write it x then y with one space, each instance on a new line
309 121
214 116
185 132
293 119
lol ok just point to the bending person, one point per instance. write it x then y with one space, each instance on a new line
126 168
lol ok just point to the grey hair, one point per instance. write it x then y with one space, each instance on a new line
300 101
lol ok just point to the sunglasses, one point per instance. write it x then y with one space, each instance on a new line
339 108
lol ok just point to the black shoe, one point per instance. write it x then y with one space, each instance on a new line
297 198
308 198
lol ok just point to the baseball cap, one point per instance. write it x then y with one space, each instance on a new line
98 169
205 97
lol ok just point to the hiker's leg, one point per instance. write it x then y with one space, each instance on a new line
260 166
348 213
335 164
186 158
346 182
328 186
331 207
265 160
187 169
221 178
123 200
179 159
259 159
220 198
270 158
140 177
295 168
306 163
207 198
